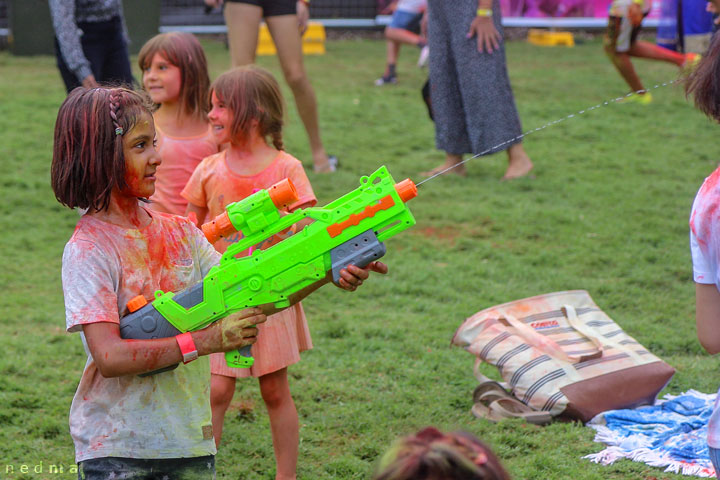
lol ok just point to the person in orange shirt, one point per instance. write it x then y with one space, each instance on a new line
175 75
247 112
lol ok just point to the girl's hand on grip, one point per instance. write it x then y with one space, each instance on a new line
232 332
353 276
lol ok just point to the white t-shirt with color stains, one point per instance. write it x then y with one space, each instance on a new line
705 250
166 415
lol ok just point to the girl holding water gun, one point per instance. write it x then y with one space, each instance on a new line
247 111
104 160
175 75
124 425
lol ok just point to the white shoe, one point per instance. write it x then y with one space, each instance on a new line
424 54
384 80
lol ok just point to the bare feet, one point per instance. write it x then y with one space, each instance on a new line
519 163
452 162
456 171
328 165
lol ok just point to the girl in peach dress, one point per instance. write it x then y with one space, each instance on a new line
247 113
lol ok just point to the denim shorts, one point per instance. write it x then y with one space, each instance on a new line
196 468
406 20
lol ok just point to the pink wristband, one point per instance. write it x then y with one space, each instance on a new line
187 347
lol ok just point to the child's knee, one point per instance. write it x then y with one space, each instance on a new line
222 390
609 48
274 389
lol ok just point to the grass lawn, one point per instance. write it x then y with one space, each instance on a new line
606 211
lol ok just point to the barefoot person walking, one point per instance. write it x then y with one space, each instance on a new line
473 104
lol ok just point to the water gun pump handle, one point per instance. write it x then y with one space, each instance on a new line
282 194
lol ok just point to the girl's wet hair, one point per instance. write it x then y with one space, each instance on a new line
185 52
252 94
88 161
704 83
433 455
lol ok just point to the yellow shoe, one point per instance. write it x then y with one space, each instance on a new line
691 62
641 98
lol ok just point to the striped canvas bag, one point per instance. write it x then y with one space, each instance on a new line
560 353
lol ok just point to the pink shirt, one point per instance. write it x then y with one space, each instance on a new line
705 250
213 186
180 156
166 415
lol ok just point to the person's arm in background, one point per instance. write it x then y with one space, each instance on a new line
196 214
68 37
636 11
126 33
713 6
303 15
482 26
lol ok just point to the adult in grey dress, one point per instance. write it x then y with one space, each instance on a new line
472 101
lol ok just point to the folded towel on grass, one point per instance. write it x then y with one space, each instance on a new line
671 434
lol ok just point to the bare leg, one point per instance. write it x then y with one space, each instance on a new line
393 49
654 52
402 36
285 34
451 159
624 66
222 389
284 424
243 23
519 163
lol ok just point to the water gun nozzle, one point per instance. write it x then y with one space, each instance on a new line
406 189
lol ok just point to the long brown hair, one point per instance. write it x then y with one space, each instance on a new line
252 93
704 83
88 161
185 52
433 455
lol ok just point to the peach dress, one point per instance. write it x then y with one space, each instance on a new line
213 186
180 156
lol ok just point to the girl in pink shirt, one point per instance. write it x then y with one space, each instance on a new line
247 110
175 75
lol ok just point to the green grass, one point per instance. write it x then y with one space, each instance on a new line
607 211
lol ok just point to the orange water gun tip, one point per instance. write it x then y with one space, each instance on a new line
283 193
406 189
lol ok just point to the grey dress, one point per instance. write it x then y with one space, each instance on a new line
472 101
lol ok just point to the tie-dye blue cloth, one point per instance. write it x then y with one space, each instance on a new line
671 434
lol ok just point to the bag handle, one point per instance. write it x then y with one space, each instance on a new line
575 322
550 346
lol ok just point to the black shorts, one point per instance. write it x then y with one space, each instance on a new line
272 8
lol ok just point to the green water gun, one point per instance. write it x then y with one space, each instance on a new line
347 231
